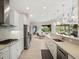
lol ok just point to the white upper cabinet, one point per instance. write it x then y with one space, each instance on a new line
14 18
23 17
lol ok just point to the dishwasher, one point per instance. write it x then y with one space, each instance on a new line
61 54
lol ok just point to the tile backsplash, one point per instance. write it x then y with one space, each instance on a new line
8 34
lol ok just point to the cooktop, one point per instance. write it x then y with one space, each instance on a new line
7 41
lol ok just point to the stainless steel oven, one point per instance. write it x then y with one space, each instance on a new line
61 54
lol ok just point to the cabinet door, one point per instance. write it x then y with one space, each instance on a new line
52 47
18 49
4 53
70 57
1 56
53 50
14 18
13 52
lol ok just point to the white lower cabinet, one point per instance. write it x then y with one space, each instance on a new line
19 49
1 56
70 57
15 51
52 47
11 52
4 54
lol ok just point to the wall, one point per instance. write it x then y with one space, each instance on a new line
39 24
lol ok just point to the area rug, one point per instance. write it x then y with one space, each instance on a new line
46 54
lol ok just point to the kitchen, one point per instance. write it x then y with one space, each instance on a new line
55 28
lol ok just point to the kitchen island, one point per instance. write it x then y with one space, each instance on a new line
71 48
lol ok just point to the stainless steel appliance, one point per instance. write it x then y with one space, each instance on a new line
5 14
61 54
27 37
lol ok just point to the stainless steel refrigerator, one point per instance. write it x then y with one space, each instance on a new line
27 37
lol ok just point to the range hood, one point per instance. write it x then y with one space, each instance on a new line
5 14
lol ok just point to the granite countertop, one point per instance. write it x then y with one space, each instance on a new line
2 46
70 48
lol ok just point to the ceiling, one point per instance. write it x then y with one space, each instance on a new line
39 10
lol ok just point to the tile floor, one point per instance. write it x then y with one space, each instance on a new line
34 51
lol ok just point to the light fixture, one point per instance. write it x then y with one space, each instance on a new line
28 8
15 31
44 7
58 23
31 15
74 17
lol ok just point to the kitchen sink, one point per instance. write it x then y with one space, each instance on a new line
58 40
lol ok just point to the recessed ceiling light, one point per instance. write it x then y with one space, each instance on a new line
58 23
44 7
31 15
28 8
